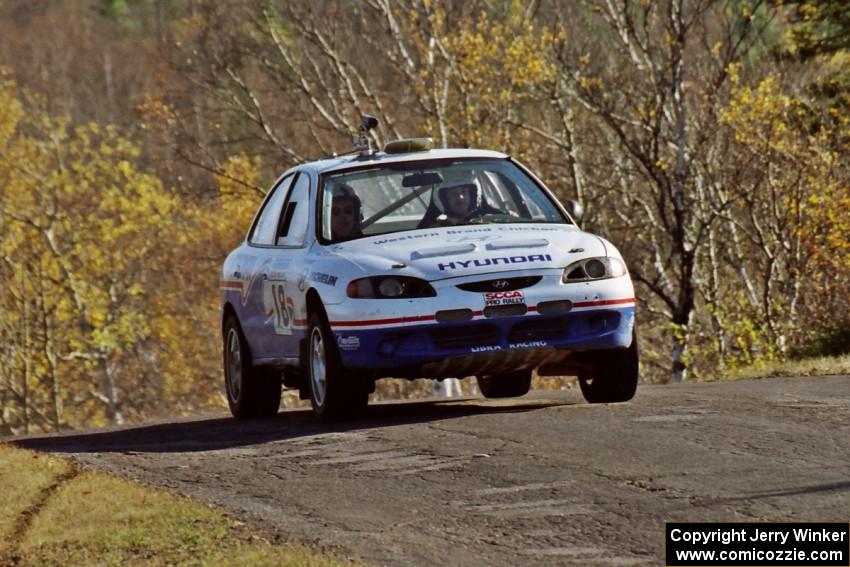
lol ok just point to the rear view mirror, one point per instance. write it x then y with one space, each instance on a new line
422 178
575 209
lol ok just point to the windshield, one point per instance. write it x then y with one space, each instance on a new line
425 194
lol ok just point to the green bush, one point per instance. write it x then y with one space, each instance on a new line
832 341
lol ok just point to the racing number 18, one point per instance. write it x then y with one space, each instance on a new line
282 320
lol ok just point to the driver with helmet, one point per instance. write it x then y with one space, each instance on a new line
345 214
458 204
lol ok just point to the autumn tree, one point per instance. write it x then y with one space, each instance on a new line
85 234
655 76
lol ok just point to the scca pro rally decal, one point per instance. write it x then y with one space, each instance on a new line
463 264
503 298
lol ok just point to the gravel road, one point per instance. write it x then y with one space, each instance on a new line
544 479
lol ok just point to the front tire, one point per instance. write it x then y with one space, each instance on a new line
333 394
611 375
509 385
251 391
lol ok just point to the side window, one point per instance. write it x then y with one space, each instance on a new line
264 229
296 214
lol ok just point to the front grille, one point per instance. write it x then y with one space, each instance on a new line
538 329
512 310
500 284
454 315
478 335
554 307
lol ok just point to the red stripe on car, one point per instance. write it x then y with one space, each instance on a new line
412 319
604 302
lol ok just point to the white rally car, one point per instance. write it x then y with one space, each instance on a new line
414 262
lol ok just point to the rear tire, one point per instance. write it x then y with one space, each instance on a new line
251 391
334 393
509 385
612 376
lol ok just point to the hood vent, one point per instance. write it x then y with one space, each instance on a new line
442 251
527 243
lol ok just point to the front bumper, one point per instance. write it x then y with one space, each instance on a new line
485 345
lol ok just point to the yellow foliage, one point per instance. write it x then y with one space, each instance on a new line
486 65
807 161
760 115
11 111
225 222
87 234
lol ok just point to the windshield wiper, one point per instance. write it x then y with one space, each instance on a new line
497 218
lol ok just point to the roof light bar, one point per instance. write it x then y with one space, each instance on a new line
408 145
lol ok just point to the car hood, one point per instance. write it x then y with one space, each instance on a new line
439 253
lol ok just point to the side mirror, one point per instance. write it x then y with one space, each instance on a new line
575 209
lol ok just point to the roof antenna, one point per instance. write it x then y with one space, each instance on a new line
361 140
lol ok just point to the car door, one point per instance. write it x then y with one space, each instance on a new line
283 276
259 255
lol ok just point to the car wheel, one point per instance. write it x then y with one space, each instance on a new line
334 393
611 375
251 391
509 385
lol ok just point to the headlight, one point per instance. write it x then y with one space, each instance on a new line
389 287
594 269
